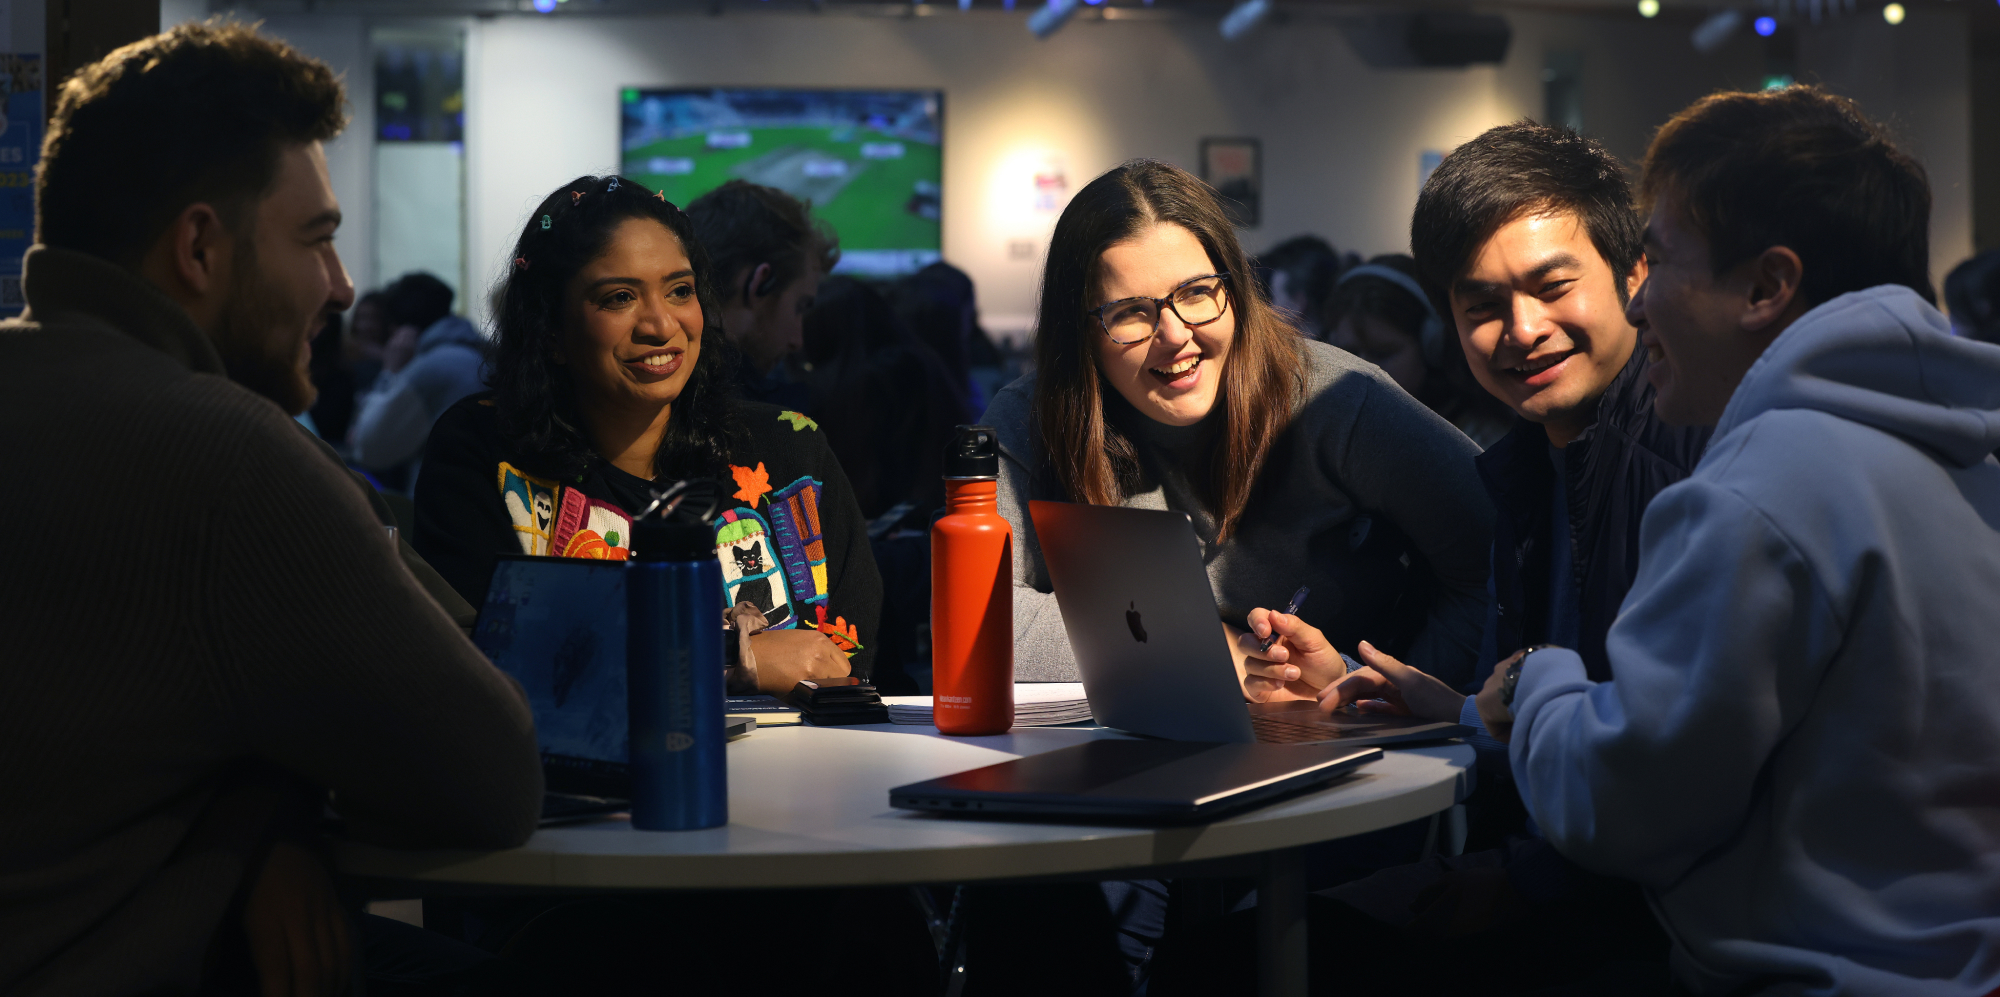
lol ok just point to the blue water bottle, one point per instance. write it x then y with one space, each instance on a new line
673 662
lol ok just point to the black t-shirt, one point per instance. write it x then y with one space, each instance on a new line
790 537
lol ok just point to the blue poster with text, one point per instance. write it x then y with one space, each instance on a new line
20 150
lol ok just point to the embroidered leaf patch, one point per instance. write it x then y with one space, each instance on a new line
798 420
844 635
751 485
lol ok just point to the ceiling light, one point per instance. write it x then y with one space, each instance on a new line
1893 13
1243 17
1649 8
1710 34
1052 16
1766 26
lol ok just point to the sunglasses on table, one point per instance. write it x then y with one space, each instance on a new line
1196 301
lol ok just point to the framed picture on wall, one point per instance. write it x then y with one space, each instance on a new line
1235 168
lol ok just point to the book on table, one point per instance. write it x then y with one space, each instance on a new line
768 711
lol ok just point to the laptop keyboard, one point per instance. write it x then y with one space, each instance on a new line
1272 730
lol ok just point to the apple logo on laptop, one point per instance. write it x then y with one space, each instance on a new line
1132 620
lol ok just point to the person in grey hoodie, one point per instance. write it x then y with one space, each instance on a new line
444 366
1799 758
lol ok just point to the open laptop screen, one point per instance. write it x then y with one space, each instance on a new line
557 625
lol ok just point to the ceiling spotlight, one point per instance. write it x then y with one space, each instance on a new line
1649 8
1766 26
1243 17
1052 16
1710 34
1893 13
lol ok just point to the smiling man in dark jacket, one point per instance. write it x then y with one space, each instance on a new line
1527 237
206 633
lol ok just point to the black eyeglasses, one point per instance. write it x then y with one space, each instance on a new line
1196 302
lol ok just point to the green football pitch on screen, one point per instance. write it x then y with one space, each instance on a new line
869 162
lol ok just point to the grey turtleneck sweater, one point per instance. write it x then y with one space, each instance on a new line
196 608
1364 477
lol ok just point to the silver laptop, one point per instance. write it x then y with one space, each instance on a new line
1141 617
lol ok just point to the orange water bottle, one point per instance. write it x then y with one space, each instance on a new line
972 592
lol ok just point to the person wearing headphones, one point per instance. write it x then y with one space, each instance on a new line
769 256
1378 312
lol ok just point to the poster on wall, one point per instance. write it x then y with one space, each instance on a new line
1051 186
20 149
1235 168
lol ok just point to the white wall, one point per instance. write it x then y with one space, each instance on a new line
420 212
1093 95
1916 78
342 42
1341 140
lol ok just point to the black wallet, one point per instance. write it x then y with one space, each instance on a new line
841 701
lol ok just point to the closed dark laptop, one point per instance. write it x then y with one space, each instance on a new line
1141 618
1144 781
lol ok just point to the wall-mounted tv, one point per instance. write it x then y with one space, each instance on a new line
870 161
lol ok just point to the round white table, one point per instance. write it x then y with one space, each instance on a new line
809 807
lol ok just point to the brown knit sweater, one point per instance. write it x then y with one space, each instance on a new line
188 585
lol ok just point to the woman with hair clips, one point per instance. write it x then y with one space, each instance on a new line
604 388
1164 380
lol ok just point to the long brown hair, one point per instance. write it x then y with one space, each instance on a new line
1261 382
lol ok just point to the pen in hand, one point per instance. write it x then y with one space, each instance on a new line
1291 609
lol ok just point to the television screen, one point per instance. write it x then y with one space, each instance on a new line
869 161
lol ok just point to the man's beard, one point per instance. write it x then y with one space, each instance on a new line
258 349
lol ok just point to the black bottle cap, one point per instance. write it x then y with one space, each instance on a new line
677 527
974 452
654 539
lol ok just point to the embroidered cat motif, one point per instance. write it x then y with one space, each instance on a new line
757 591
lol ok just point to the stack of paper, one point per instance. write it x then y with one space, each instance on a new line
1036 704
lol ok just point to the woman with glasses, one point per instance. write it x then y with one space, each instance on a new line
1163 380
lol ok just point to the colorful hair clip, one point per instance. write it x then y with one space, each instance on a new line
545 223
520 263
575 196
614 185
662 195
